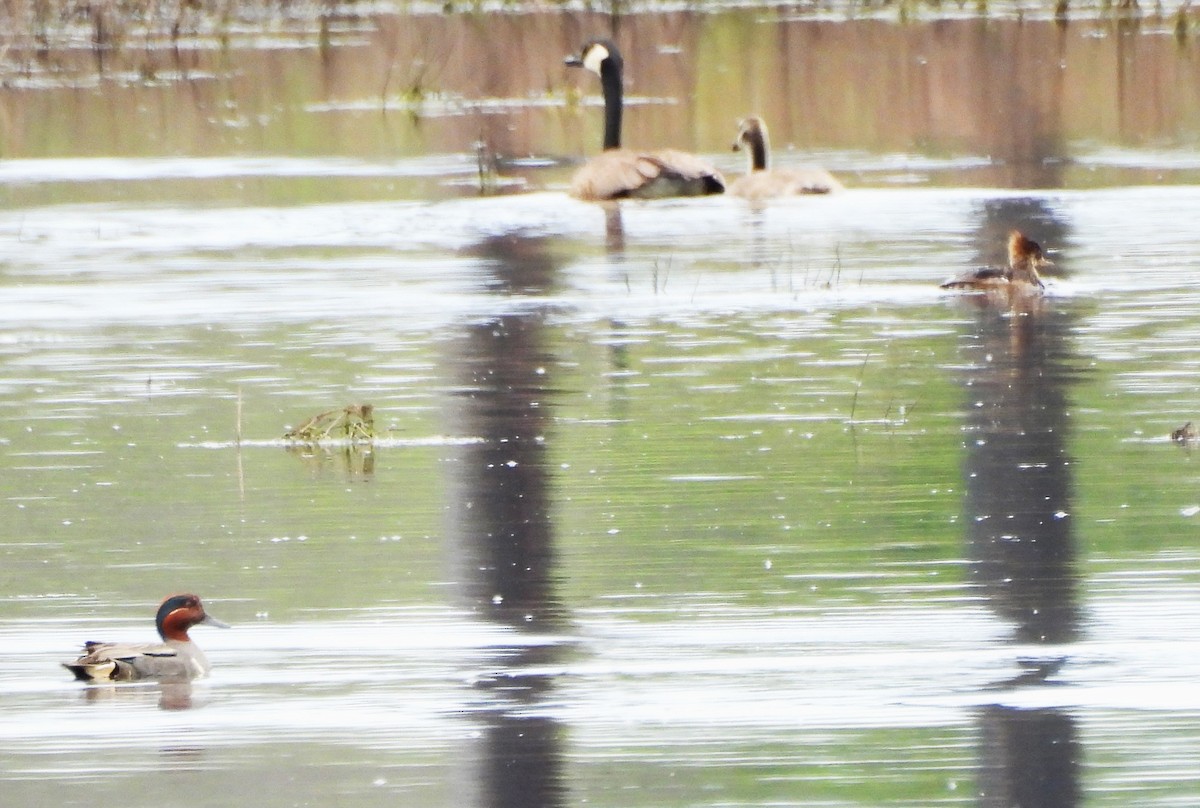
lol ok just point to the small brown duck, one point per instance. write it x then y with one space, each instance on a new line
1025 256
176 658
763 182
618 173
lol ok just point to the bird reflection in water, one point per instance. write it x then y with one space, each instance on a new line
170 695
1018 522
499 531
353 461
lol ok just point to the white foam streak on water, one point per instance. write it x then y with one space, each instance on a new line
142 169
339 443
117 169
1166 159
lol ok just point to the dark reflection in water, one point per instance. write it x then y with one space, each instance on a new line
614 229
521 755
1031 759
170 695
499 510
500 530
1017 513
1018 471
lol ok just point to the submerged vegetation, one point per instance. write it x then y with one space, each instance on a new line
157 41
114 23
41 25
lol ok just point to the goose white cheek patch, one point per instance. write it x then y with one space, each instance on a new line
594 57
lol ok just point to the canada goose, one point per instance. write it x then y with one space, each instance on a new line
1021 274
617 173
762 182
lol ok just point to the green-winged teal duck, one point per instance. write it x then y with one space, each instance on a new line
175 658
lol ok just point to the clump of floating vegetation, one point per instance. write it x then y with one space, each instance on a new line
354 423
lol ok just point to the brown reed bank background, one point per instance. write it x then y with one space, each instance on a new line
1020 91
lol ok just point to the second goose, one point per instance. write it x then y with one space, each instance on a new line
763 182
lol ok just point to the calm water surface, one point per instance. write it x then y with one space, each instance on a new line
677 503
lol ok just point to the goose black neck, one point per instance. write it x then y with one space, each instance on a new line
610 80
759 151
